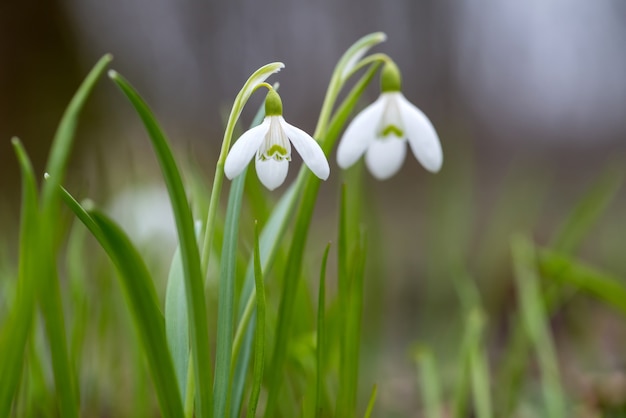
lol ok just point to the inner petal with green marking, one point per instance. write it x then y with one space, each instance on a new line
275 145
391 121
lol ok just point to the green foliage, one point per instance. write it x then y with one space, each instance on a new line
289 333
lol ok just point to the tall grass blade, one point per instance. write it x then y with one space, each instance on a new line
141 299
321 335
536 324
17 326
259 340
177 322
226 300
194 288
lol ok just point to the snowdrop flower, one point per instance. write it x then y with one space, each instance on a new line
271 142
382 129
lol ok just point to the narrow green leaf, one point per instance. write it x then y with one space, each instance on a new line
177 322
478 365
535 321
17 326
371 402
48 288
226 300
194 288
430 382
588 210
142 300
259 340
564 269
64 137
346 404
321 334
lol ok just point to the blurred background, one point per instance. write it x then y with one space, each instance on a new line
529 100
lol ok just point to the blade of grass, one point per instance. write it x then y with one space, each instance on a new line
349 367
592 205
259 340
371 402
479 368
226 301
430 382
18 325
567 239
49 290
564 269
321 334
177 322
535 322
194 288
141 299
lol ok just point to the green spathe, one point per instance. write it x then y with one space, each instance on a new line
390 78
273 104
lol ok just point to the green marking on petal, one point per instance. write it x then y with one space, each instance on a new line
392 130
276 149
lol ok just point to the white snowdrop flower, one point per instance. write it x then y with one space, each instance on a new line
382 129
271 142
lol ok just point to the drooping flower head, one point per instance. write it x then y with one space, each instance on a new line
382 129
271 143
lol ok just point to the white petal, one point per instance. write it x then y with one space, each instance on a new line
309 150
360 133
244 149
385 157
271 172
421 135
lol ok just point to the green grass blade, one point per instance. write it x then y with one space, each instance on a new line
177 322
565 270
64 137
17 326
478 365
588 210
142 301
349 367
321 334
226 301
194 288
303 218
430 382
259 340
535 321
371 402
49 290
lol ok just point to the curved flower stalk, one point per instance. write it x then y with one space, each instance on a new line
382 129
271 142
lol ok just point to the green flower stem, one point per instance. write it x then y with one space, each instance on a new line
256 80
303 220
343 71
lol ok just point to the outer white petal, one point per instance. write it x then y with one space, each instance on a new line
421 135
272 173
308 148
385 157
244 149
360 133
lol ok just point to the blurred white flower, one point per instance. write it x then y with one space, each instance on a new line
382 129
271 142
